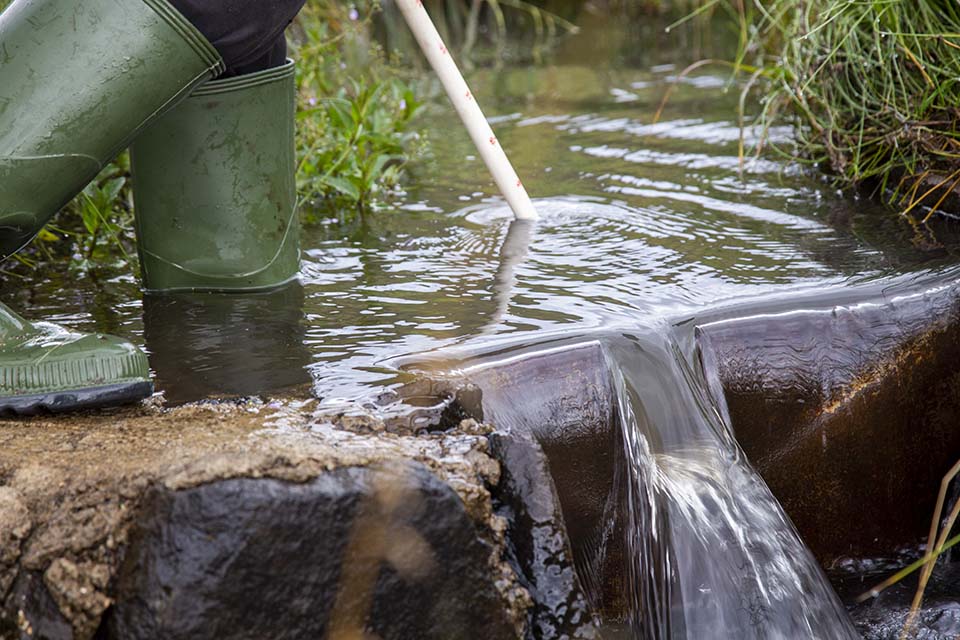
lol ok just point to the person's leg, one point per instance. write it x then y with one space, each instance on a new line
249 34
214 179
80 79
65 112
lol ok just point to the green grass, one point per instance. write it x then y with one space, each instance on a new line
872 88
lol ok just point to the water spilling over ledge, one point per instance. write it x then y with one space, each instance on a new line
672 532
614 495
846 411
677 319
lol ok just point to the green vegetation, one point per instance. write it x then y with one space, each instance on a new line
872 87
354 112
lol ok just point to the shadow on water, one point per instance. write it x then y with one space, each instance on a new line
192 338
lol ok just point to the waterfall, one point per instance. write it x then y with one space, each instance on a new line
711 553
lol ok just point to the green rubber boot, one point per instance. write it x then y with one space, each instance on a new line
45 368
215 189
79 79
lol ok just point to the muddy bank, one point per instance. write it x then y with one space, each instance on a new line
143 523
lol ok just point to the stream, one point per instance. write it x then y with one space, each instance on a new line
643 223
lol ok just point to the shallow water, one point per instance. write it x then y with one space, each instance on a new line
640 221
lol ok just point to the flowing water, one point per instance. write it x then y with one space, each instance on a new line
642 223
714 555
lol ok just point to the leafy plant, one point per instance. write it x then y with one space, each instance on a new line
361 143
355 111
100 208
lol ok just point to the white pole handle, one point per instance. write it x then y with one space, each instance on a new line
467 108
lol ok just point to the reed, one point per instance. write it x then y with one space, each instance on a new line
872 87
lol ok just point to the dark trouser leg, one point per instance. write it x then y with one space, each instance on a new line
247 33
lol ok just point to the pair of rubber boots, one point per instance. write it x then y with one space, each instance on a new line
213 164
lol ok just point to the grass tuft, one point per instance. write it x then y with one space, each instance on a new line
872 87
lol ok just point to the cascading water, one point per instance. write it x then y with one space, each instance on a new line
711 553
672 530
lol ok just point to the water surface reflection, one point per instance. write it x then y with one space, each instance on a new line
640 219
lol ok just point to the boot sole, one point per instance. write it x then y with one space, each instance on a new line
74 400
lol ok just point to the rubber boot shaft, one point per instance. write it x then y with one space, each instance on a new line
80 79
215 188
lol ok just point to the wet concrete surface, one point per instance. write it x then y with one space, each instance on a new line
849 413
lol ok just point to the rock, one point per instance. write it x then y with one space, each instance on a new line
153 520
538 542
358 552
14 527
78 591
31 612
557 443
